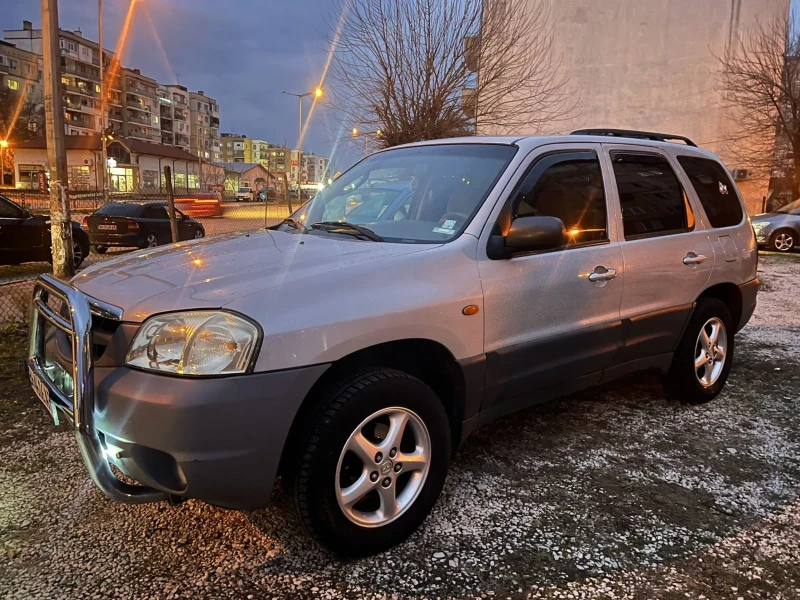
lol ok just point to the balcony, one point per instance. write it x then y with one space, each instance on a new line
77 89
166 124
79 120
166 138
88 75
134 103
181 140
166 111
180 115
114 116
140 91
214 122
137 118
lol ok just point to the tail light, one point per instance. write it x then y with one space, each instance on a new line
133 225
85 223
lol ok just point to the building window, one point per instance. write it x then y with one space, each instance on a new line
27 69
155 120
13 84
194 181
199 118
12 64
29 176
97 87
149 178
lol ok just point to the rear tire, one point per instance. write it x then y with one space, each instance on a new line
80 249
697 374
150 240
369 406
782 240
100 249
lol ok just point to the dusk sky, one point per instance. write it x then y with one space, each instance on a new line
240 52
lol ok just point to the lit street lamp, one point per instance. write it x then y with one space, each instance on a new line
317 93
365 135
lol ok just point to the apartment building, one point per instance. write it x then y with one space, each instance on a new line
20 71
285 160
238 148
136 104
204 120
314 168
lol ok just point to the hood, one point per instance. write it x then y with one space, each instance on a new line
213 272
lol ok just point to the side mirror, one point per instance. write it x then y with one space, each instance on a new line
528 234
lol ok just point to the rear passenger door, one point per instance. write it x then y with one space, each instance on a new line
157 220
668 257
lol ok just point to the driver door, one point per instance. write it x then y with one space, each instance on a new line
19 241
552 318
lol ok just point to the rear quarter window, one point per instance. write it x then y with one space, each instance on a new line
715 189
119 210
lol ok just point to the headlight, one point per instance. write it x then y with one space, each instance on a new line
194 343
760 225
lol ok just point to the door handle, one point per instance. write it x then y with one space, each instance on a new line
602 274
693 259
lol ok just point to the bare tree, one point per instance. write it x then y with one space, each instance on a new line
428 69
761 81
21 116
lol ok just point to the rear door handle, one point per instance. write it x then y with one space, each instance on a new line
602 274
693 259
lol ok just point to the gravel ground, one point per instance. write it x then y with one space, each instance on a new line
613 493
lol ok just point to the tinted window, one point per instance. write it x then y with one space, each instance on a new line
155 212
568 186
650 195
715 189
9 210
119 209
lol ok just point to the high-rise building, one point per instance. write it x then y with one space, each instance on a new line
236 147
20 71
136 104
204 123
314 168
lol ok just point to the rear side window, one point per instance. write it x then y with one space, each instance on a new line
715 189
568 186
651 197
119 210
155 212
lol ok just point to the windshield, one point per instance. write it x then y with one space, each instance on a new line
244 189
422 194
792 207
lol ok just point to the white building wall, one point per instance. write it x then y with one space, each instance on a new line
651 65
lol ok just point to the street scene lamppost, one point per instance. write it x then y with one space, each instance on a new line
317 93
365 135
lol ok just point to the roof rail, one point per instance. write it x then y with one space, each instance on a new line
644 135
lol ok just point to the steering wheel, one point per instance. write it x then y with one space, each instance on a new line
453 215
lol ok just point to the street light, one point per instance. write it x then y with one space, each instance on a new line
317 93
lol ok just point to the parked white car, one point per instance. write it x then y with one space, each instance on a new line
244 193
352 350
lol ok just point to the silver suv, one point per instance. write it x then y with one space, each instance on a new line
431 289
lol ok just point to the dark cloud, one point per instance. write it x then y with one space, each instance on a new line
241 52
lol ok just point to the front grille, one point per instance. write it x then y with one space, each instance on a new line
103 329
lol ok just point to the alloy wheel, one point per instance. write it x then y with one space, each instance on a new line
383 467
711 352
151 241
77 253
198 234
784 242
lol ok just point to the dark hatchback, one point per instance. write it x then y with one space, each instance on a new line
25 237
137 225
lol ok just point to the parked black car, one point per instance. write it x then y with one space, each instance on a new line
25 237
137 224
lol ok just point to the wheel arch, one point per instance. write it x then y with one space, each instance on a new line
425 359
730 295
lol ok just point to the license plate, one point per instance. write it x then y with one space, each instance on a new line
107 227
43 393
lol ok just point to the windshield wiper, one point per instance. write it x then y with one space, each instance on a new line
294 223
348 229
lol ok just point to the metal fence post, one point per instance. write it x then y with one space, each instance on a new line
173 224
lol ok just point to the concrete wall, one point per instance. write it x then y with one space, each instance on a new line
650 65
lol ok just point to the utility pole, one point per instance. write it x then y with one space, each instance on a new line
173 224
104 157
60 222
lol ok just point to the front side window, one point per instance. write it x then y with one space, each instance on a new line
568 186
421 194
715 189
651 197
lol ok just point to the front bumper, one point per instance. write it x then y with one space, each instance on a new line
215 439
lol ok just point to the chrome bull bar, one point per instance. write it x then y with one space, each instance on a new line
79 409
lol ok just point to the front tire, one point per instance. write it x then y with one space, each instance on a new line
150 240
80 250
782 240
345 483
703 360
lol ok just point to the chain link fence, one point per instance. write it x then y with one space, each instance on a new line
216 212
